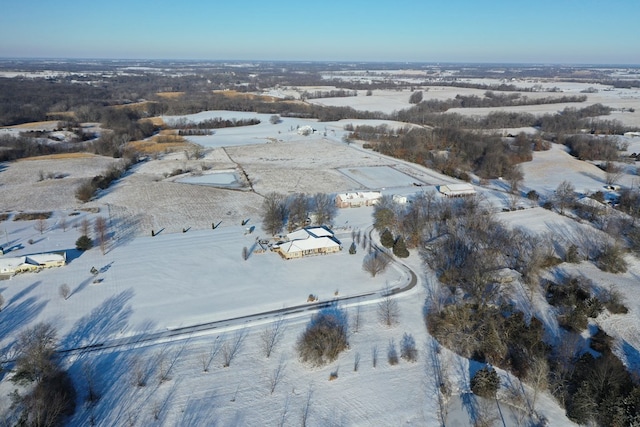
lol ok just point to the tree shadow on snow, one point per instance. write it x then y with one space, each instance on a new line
104 321
200 410
15 317
122 230
24 292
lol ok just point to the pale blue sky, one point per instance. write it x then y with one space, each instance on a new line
518 31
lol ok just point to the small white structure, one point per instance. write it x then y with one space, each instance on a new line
305 130
632 134
400 199
15 265
309 241
457 190
357 199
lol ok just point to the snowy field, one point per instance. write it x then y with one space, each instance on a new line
160 286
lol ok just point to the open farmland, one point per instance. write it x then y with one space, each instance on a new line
153 315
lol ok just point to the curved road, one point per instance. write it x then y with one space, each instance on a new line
187 331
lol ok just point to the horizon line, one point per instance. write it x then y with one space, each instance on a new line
322 61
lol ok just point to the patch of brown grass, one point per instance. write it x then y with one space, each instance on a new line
166 140
34 125
141 106
4 216
157 121
170 95
59 156
29 216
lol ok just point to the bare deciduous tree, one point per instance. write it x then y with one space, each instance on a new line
84 227
356 362
374 356
298 210
100 227
41 225
538 377
565 195
207 358
324 208
35 347
392 353
230 349
271 336
408 350
375 263
245 253
274 213
140 372
63 223
64 291
613 173
388 309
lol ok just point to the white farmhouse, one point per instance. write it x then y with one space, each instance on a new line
357 199
309 241
15 265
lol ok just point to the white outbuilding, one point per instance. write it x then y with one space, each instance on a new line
457 190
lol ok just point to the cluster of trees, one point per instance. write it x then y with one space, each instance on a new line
453 151
25 100
339 93
589 147
88 189
185 124
490 99
49 395
296 210
471 313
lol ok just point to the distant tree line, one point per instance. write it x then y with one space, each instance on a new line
490 99
187 127
339 93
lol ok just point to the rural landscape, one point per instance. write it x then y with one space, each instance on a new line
272 243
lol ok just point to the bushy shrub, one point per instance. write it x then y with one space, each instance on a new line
485 383
392 353
325 337
611 259
408 350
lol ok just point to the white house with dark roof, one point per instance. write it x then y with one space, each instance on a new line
308 241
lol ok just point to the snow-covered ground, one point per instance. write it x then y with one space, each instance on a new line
158 286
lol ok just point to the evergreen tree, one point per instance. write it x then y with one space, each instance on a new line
84 243
485 382
400 248
386 238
